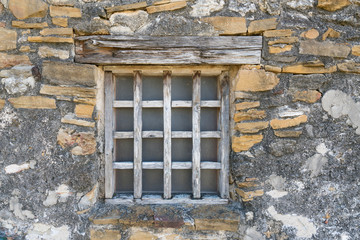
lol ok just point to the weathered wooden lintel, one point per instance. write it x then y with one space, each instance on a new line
180 50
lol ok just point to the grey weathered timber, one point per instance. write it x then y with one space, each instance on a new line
167 133
137 134
109 141
158 200
226 50
160 165
196 135
176 70
160 104
224 146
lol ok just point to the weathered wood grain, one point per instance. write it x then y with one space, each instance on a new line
137 134
110 50
196 135
224 147
167 133
109 142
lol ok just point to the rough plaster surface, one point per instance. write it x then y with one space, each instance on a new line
305 228
204 7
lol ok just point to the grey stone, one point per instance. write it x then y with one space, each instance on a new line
282 147
329 49
69 73
132 20
242 7
315 164
205 7
313 81
18 79
337 104
95 26
169 25
301 4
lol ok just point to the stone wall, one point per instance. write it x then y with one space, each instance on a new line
295 129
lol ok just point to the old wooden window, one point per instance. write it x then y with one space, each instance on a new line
167 114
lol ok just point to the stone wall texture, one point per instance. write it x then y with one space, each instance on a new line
294 167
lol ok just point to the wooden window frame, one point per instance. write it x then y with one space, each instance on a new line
181 55
196 135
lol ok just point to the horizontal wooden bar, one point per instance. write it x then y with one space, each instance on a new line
174 134
176 70
160 165
166 42
157 199
159 104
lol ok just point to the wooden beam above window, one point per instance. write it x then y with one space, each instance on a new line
223 50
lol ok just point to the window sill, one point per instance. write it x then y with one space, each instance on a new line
223 217
157 199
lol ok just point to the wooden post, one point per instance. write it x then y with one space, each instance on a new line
196 134
109 141
137 135
224 145
167 134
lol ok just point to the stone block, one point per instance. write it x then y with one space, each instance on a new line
354 51
259 26
70 119
56 11
166 7
89 101
142 235
333 5
57 31
245 142
9 60
23 9
227 25
62 73
22 24
7 39
310 34
249 196
47 52
18 79
25 49
284 40
273 69
328 49
68 91
2 103
286 123
310 96
216 225
50 39
132 6
330 33
287 134
94 27
251 114
255 80
302 68
251 127
33 102
279 33
105 234
60 21
349 67
84 110
276 50
246 105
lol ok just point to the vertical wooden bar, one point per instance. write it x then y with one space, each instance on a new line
167 134
137 134
224 145
196 134
109 140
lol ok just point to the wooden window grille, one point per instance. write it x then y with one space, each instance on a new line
136 168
